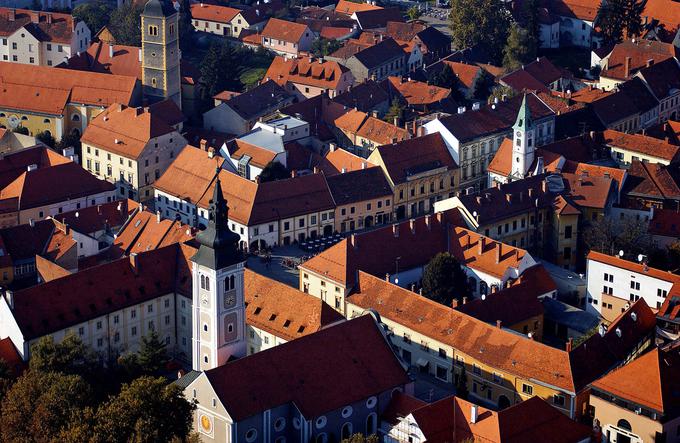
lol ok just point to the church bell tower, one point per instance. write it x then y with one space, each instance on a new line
160 52
524 141
218 308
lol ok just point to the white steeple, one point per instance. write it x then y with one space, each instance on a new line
523 142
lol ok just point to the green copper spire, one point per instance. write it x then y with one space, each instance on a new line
523 122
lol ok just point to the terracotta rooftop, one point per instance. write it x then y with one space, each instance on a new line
349 7
260 157
640 52
371 128
653 180
651 381
337 160
581 9
11 356
283 310
666 11
213 13
284 30
320 73
54 88
360 361
124 130
358 186
70 300
409 158
418 93
108 58
44 26
465 73
642 144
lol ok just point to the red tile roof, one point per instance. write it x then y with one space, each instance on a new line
465 73
108 59
651 381
284 30
70 300
349 7
581 9
213 13
45 26
125 131
642 144
666 11
284 311
361 124
639 52
320 73
260 157
54 88
652 180
360 363
337 160
418 93
10 355
331 32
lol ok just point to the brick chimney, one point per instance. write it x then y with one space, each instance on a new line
211 152
481 245
508 197
12 16
570 344
293 173
134 261
395 230
412 225
428 222
626 68
332 147
203 144
498 252
454 303
499 324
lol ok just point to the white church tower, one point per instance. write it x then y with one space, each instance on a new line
523 143
218 312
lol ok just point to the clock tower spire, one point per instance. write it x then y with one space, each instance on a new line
524 141
218 312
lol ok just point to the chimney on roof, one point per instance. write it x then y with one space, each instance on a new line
531 192
343 170
67 229
353 240
139 57
387 277
454 303
464 300
474 413
498 252
31 223
315 170
332 147
374 113
158 216
99 209
498 185
570 344
650 62
12 14
412 225
396 120
499 324
48 18
293 173
428 222
203 144
134 261
110 50
508 197
481 245
395 230
35 16
364 165
439 217
211 152
626 67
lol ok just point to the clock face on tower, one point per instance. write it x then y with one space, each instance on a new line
518 134
205 299
229 300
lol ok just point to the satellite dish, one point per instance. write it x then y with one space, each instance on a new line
621 253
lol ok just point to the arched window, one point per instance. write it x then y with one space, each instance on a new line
232 282
207 283
46 121
226 284
321 438
75 117
202 281
346 431
371 421
24 118
623 424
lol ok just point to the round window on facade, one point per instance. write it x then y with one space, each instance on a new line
371 402
296 423
346 411
279 424
251 435
321 422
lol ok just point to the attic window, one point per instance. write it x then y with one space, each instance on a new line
286 323
301 329
273 317
258 310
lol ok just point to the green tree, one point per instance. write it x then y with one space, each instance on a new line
360 438
146 410
500 92
70 356
609 236
444 279
321 47
446 78
21 130
273 171
220 70
46 138
42 406
126 24
519 49
95 14
413 12
396 110
153 355
617 18
483 23
529 16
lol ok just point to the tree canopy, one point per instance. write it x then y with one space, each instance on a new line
273 171
126 24
519 49
619 18
483 23
444 279
95 14
321 47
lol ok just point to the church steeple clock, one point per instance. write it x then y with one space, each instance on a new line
524 141
218 319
